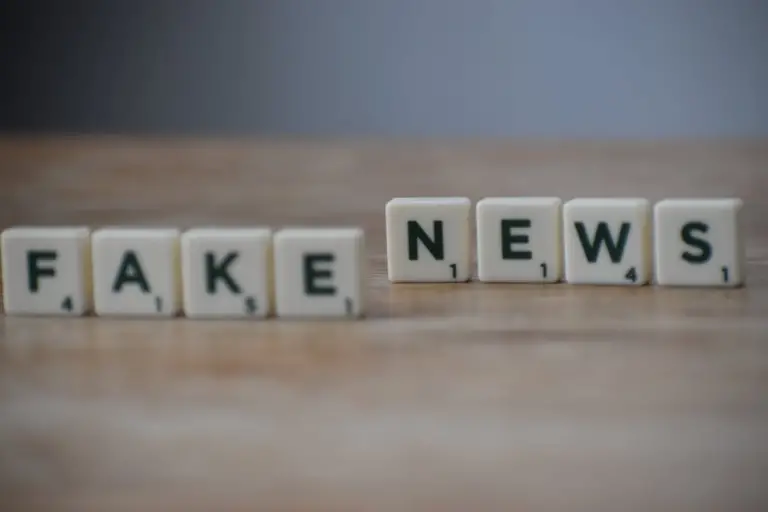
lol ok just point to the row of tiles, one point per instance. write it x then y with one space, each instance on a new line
690 242
241 272
252 272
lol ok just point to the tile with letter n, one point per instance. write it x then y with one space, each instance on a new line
699 242
519 239
607 241
46 271
428 239
136 272
227 272
319 272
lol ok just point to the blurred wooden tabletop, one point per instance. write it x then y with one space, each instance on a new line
448 397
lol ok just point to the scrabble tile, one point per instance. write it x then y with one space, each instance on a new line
607 241
46 271
319 272
698 242
226 272
136 272
428 239
519 239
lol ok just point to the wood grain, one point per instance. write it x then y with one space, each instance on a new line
448 397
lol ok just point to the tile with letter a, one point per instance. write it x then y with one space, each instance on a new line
319 272
519 239
136 272
698 242
607 241
226 272
428 239
46 271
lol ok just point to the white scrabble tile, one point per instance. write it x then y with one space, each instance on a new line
607 241
136 272
698 242
519 239
226 272
46 271
319 272
428 239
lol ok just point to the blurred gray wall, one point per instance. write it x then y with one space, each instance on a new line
562 68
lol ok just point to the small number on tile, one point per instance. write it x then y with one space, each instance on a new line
543 270
158 304
631 274
348 305
453 270
250 305
66 304
725 274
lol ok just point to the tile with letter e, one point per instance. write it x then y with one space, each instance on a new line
607 241
519 239
136 272
319 272
698 242
46 271
226 272
428 239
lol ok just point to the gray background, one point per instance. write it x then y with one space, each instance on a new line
556 68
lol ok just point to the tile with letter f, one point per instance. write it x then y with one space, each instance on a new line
46 271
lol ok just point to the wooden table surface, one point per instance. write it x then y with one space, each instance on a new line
448 397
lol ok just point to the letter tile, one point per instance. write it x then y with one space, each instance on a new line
227 272
519 239
136 272
428 239
46 271
698 242
607 241
319 272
